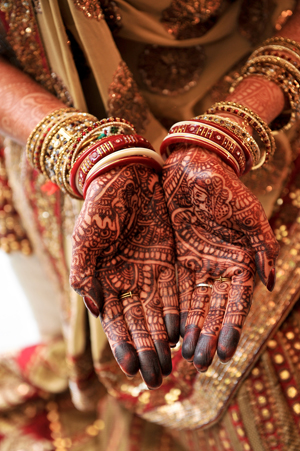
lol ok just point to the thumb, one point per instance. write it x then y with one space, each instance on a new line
265 264
91 290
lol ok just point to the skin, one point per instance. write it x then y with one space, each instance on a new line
24 104
123 242
220 230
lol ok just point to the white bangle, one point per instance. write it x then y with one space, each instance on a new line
119 154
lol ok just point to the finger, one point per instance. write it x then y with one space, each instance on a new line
169 298
207 343
197 314
137 325
118 336
253 221
153 312
89 237
238 306
185 289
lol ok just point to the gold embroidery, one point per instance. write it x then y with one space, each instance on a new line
125 100
170 70
91 10
23 37
189 19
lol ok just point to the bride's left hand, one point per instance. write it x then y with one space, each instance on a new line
221 232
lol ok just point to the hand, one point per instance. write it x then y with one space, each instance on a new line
222 231
122 243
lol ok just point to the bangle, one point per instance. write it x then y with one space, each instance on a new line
60 134
238 133
252 119
107 128
279 71
279 51
125 161
124 153
96 152
37 135
100 130
209 137
63 165
286 42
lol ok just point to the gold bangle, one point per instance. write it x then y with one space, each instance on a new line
268 49
36 132
63 131
287 83
252 119
273 60
283 41
240 132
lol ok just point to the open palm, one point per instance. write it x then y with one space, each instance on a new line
123 243
222 236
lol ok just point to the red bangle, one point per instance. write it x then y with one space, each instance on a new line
146 161
175 139
99 150
212 136
248 155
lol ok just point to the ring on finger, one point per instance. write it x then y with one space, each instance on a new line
128 294
223 279
202 285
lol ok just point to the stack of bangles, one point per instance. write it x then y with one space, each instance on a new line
73 148
222 136
277 60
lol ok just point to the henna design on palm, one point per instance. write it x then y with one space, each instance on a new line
123 242
220 230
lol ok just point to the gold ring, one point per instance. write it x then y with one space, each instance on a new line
129 294
222 279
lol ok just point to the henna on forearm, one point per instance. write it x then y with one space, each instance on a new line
23 103
262 96
222 231
123 240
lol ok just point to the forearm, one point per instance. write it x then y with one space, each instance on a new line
23 104
264 97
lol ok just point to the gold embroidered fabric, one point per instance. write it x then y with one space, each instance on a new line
125 100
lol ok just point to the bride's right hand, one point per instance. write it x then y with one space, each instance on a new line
123 243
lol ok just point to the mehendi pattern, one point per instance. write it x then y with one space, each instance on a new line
125 100
123 243
220 231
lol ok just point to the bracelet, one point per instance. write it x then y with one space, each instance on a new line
63 165
109 127
60 134
238 133
209 137
252 119
281 72
125 161
286 42
278 51
96 152
124 153
273 60
37 135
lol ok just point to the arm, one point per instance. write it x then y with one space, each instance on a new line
23 104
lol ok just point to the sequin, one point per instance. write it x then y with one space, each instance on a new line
186 19
170 70
125 100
